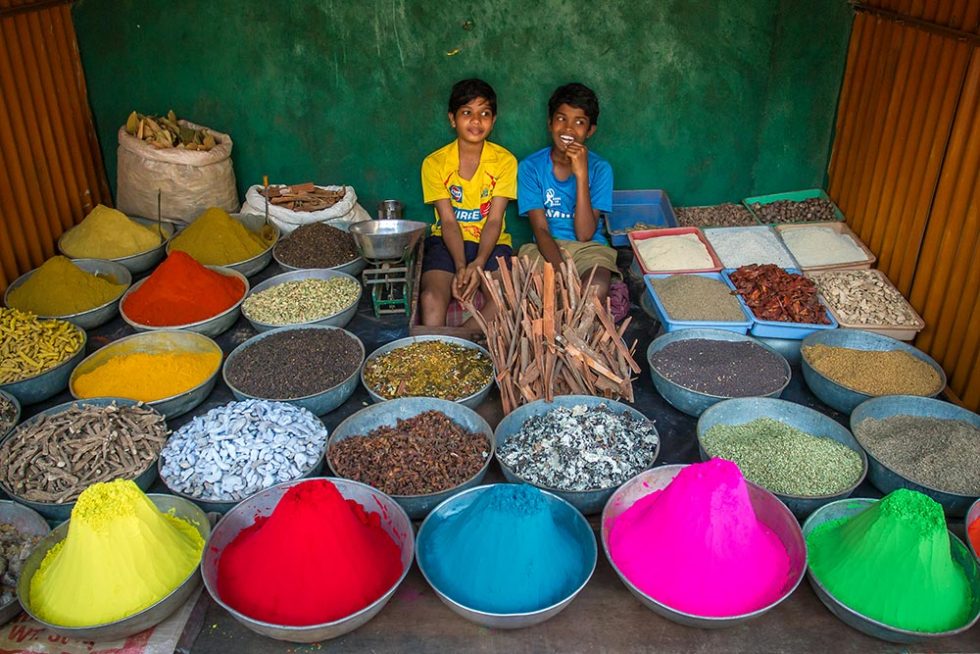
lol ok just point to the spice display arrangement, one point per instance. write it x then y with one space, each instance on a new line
774 294
60 288
811 210
874 372
316 245
721 368
108 234
302 301
429 368
217 239
304 197
30 346
728 214
742 246
694 297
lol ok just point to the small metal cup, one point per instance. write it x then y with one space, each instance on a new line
390 210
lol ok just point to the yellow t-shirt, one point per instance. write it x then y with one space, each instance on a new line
496 176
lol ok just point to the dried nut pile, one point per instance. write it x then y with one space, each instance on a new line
874 372
302 301
427 453
167 132
240 448
728 214
812 210
316 245
15 547
774 294
8 414
30 346
864 297
53 458
429 369
581 448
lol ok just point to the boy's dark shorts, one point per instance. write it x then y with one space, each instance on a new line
437 255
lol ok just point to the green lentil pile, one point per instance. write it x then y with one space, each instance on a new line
693 297
889 372
784 459
301 301
429 369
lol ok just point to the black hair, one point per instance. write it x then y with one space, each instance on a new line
468 90
575 95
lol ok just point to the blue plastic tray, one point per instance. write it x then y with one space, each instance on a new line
777 328
671 325
650 207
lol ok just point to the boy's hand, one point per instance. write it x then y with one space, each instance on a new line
466 282
579 156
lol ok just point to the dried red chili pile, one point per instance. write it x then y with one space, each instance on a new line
774 294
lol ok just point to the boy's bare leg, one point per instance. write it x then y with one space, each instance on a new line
435 297
601 281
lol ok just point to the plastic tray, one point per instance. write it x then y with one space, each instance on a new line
671 325
778 242
651 207
642 235
901 333
840 228
790 195
778 328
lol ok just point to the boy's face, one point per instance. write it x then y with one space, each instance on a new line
569 121
473 121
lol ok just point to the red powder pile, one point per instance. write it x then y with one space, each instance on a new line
317 558
973 533
181 291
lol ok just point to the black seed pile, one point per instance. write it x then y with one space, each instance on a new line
722 368
316 245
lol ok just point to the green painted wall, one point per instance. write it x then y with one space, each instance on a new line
712 101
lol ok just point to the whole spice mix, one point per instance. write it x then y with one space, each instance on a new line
427 453
29 345
60 288
864 297
941 454
15 547
887 372
581 448
740 246
302 301
316 245
429 369
54 458
811 210
784 459
728 214
693 297
721 368
8 414
774 294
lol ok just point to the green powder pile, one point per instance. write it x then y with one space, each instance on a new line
892 563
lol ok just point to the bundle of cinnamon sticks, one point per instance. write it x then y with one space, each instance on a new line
305 197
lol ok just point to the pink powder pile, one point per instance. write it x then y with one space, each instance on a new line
698 547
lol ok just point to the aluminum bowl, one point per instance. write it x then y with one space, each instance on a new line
870 626
91 318
743 410
839 396
769 510
251 266
887 479
48 383
971 516
393 520
62 510
387 239
588 502
318 403
164 340
388 414
148 617
26 521
338 319
692 402
578 528
13 400
212 326
471 401
141 261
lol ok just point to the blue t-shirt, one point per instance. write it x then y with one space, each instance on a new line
537 188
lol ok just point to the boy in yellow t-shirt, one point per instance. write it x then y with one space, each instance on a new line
469 181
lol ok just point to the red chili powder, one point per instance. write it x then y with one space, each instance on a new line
317 558
973 533
182 291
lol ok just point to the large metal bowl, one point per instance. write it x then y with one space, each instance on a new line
388 414
212 326
972 516
577 527
337 319
768 509
148 617
141 261
387 239
743 410
318 403
839 396
155 342
393 520
870 626
590 501
471 401
91 318
689 401
881 474
252 223
25 521
16 404
50 382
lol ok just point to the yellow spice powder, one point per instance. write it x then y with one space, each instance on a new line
108 234
217 239
60 288
147 376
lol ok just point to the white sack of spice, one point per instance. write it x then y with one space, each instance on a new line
581 448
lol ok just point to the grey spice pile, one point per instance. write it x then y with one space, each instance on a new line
721 368
15 547
240 448
306 300
581 448
864 297
316 245
693 297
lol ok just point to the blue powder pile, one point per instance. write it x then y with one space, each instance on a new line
506 553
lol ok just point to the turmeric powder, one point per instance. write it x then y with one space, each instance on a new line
217 239
146 376
108 234
60 288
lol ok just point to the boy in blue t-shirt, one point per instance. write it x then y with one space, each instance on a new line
564 190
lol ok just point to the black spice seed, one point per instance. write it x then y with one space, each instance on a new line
723 368
316 245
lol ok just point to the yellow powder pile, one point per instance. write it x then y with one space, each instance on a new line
60 288
108 234
147 377
217 239
121 555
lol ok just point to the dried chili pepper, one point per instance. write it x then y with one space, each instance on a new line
774 294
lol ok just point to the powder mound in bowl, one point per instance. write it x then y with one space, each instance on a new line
721 368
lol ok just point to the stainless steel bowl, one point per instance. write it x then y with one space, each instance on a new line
885 478
768 509
393 520
26 521
148 617
839 396
16 404
743 410
256 264
318 403
50 382
388 414
471 401
387 239
689 401
210 326
155 342
590 501
870 626
972 516
141 261
578 528
337 319
91 318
